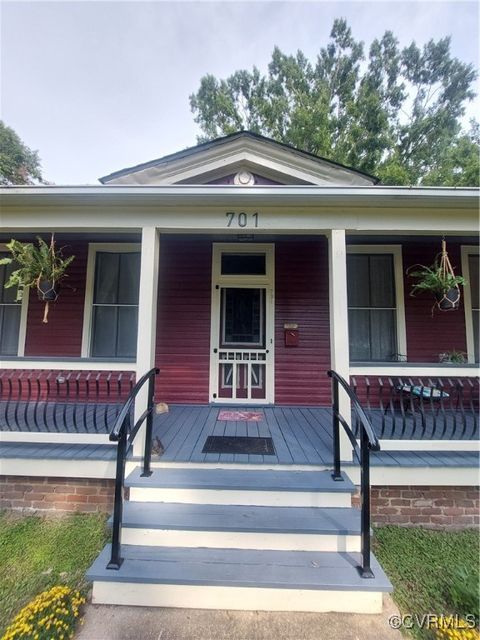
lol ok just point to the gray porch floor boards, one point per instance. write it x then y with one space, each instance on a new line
301 435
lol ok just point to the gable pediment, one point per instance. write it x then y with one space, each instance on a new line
219 161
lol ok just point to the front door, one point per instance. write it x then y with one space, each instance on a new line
242 354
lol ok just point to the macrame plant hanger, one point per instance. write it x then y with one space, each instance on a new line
449 300
50 293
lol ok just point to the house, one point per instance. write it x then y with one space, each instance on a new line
244 270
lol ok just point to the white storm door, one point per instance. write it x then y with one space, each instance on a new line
242 354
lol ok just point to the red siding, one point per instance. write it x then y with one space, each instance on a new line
183 330
62 336
301 281
428 336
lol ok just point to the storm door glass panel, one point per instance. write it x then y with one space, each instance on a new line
242 317
10 312
115 305
371 307
474 292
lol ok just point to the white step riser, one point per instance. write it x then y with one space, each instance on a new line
242 540
227 496
236 598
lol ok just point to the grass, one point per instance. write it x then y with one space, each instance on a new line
37 553
423 567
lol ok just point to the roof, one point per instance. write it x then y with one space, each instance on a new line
218 143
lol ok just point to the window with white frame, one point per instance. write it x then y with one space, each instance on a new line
10 313
111 308
470 269
376 321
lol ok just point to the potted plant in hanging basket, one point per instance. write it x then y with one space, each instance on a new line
439 279
42 266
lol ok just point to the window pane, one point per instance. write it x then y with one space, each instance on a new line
382 331
104 332
106 278
243 316
358 280
382 281
6 295
129 279
247 264
473 280
127 332
9 329
359 334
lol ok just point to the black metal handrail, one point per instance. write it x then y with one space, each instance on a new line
368 442
124 434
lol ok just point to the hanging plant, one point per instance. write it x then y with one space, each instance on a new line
41 266
439 279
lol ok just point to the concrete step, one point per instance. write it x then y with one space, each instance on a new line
241 527
235 486
238 579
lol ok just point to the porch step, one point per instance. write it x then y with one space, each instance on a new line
237 486
241 579
241 527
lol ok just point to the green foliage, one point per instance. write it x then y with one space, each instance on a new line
18 163
393 112
463 590
433 279
37 553
422 566
457 357
36 263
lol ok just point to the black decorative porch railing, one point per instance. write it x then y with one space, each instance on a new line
59 401
414 408
368 442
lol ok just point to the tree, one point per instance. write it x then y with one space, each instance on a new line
394 112
18 163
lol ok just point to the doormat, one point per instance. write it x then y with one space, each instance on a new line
247 416
239 444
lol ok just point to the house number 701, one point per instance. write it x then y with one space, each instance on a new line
241 219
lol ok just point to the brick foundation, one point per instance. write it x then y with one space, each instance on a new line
428 507
30 493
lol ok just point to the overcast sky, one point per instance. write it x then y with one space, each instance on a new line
99 86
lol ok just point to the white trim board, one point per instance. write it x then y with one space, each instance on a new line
68 365
416 476
429 445
57 468
54 438
440 371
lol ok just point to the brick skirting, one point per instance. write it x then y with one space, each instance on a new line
430 507
31 493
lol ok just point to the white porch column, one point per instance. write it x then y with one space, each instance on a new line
339 351
147 320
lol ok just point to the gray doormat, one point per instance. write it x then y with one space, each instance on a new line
239 444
